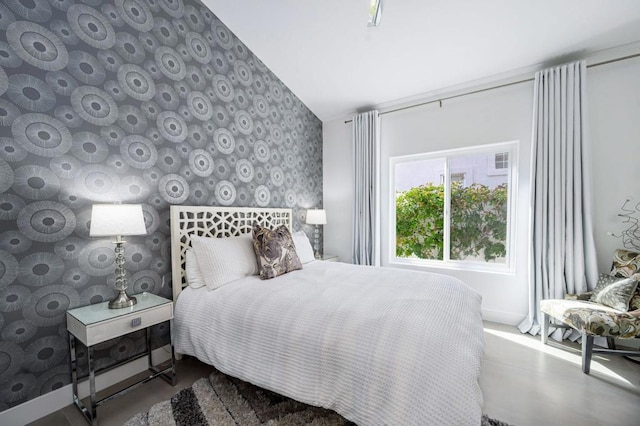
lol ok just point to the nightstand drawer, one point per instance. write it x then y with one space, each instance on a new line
104 330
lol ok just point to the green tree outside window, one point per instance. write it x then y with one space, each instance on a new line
478 222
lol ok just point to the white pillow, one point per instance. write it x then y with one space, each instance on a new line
303 247
194 276
222 260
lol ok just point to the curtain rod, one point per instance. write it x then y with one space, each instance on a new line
513 83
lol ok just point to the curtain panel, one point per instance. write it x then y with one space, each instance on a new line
562 252
366 206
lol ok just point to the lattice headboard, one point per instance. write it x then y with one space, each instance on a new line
214 222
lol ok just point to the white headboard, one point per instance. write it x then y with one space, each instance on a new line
214 222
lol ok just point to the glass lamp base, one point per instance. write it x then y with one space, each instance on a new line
316 242
122 300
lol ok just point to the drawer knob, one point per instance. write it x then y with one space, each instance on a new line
136 322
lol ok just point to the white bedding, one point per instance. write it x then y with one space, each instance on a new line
380 346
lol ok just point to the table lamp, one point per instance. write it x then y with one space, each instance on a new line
108 220
316 217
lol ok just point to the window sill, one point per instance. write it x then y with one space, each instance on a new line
490 268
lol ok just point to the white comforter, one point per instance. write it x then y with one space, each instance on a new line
380 346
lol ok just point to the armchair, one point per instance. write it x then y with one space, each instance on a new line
611 310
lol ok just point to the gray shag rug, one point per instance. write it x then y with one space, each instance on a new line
223 400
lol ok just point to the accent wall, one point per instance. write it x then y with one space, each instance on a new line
153 102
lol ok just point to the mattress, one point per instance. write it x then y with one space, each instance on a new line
380 346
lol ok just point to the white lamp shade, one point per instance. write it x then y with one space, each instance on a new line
316 217
116 219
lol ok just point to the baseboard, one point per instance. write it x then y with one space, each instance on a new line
508 318
44 405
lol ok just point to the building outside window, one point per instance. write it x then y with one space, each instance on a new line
451 208
501 160
455 177
498 164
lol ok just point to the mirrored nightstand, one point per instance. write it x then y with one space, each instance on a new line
97 323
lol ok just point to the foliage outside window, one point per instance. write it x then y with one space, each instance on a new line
463 218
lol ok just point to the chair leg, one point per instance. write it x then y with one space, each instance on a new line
544 331
587 350
611 343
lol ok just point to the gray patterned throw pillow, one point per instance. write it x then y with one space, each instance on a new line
616 293
275 251
603 281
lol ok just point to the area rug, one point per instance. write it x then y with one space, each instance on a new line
221 400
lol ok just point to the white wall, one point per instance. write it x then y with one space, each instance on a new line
499 115
337 197
614 107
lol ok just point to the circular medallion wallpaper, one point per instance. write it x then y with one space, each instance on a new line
135 101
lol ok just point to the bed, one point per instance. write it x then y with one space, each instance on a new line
380 346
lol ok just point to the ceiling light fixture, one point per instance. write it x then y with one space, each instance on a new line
375 13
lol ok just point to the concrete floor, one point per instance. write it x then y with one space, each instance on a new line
523 383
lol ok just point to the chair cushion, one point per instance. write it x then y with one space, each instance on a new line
625 263
634 303
593 318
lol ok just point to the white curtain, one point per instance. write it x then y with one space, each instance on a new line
366 206
562 252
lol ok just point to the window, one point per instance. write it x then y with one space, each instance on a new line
498 164
501 160
448 207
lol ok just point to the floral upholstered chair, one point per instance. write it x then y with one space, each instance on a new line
611 310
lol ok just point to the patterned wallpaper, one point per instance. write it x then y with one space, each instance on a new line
135 101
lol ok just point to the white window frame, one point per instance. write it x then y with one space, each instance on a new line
508 267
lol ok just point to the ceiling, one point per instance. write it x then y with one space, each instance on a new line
326 54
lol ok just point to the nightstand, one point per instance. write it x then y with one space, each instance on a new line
97 323
329 258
